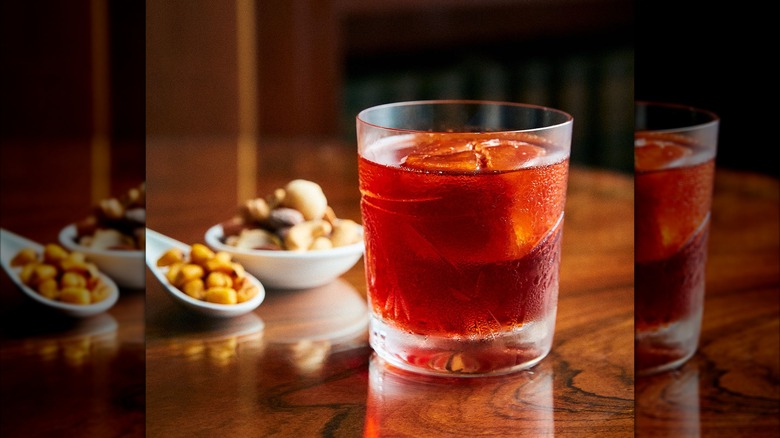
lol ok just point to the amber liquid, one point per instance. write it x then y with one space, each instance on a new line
462 246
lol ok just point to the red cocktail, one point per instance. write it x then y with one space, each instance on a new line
463 236
673 195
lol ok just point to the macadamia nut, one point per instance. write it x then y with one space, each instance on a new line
306 197
345 232
301 236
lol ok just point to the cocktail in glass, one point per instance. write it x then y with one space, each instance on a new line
462 206
674 151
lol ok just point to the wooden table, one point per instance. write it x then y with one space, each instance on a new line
300 364
295 369
731 387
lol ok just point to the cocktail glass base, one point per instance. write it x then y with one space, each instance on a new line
667 347
463 356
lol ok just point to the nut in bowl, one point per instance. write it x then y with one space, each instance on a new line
113 236
280 269
291 239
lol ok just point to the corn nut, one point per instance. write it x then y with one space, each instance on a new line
207 275
60 275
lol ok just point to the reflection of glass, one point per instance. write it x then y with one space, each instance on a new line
674 155
667 404
401 403
462 206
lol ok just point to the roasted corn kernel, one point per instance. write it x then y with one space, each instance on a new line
218 279
48 288
208 276
221 262
200 254
173 255
72 279
54 254
221 295
43 272
61 275
189 271
24 257
194 288
246 293
75 295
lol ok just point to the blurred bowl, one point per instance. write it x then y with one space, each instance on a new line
282 269
125 267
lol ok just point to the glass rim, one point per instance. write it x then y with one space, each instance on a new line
714 119
568 118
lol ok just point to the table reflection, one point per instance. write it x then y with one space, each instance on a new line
667 403
73 373
401 403
196 338
67 342
331 312
310 325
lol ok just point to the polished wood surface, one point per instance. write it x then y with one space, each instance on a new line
731 387
300 365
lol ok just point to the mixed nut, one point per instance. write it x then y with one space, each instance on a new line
207 276
60 275
116 223
296 217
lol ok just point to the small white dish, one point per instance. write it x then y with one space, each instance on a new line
11 244
282 269
157 244
126 267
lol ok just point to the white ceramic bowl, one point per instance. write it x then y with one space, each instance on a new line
157 244
12 243
290 269
125 267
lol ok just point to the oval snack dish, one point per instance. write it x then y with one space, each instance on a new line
126 267
282 269
157 244
11 244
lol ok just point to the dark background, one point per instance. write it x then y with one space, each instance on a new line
716 56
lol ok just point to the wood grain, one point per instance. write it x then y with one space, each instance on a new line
300 365
731 387
290 380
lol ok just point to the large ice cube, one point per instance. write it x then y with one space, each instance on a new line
457 161
656 154
510 155
473 155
